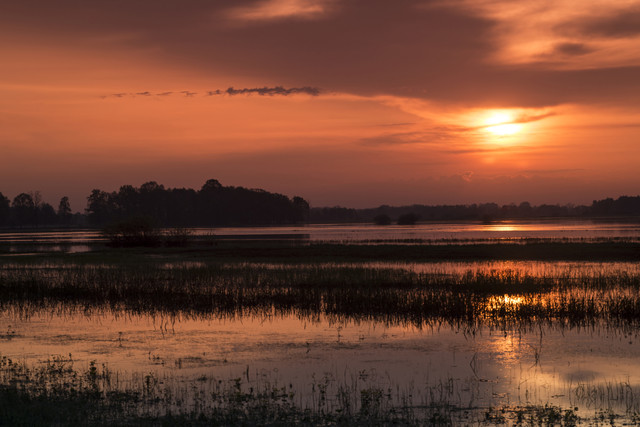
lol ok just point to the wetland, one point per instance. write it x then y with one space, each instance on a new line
402 329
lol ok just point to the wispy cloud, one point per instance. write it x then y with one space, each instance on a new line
231 91
572 49
431 136
571 34
268 10
521 119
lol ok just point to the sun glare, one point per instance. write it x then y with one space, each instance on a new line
500 123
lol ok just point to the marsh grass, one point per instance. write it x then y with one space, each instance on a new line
496 297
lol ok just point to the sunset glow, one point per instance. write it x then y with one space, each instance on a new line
502 124
521 103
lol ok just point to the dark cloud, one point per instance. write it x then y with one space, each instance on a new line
623 24
572 49
231 91
415 48
270 91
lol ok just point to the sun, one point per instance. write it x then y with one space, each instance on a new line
501 124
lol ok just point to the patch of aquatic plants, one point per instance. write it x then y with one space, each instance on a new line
55 392
499 297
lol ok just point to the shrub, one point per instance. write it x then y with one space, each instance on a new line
408 219
136 231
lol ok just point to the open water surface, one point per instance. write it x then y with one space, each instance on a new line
433 232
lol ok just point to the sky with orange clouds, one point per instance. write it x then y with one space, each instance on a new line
343 102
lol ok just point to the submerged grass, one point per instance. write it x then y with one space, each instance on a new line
57 392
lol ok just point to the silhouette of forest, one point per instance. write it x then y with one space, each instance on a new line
624 206
215 205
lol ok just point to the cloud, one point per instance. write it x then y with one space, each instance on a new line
280 9
618 24
432 135
231 91
496 53
519 119
270 91
572 49
550 171
528 118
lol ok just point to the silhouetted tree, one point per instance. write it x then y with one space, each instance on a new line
46 215
334 214
525 209
5 210
100 207
301 208
64 211
24 209
213 205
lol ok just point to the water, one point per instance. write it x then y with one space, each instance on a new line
589 368
435 232
447 231
488 368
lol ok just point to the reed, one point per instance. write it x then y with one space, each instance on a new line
394 296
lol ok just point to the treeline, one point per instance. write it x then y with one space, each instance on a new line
215 205
623 206
28 210
212 206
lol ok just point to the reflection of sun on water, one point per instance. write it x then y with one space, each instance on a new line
512 300
508 300
504 227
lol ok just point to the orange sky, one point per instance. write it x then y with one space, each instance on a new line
456 101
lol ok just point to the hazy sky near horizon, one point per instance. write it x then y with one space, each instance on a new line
343 102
